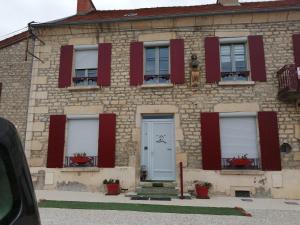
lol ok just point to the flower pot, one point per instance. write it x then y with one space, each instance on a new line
201 191
113 189
80 160
240 162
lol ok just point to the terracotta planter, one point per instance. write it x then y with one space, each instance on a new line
201 191
81 160
240 162
113 189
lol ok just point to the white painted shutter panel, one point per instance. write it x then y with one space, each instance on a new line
86 59
82 136
238 137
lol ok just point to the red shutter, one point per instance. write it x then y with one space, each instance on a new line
269 141
136 63
296 43
56 141
257 58
177 61
65 67
210 139
104 64
107 141
212 59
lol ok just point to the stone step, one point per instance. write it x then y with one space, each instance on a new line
158 184
164 191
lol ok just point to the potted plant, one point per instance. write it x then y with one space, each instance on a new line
80 158
112 186
201 189
240 161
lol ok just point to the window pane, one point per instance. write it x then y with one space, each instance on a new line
83 136
238 137
239 49
226 67
164 52
6 195
80 73
150 66
86 59
225 50
163 67
92 73
151 79
240 66
150 53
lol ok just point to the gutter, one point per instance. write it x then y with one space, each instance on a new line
232 12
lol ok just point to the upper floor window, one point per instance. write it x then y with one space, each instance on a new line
86 65
157 60
233 54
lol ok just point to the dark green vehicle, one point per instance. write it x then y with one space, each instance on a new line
17 198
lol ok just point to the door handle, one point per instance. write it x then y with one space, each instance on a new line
145 148
169 149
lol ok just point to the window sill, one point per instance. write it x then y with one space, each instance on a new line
83 88
242 172
157 85
80 169
236 83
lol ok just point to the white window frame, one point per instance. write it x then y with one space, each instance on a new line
157 45
233 41
240 115
84 48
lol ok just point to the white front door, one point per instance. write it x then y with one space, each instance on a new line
158 151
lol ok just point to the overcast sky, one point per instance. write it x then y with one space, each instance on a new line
16 14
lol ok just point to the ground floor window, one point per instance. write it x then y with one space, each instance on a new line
239 141
82 142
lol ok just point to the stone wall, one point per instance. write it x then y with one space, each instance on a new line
15 76
123 100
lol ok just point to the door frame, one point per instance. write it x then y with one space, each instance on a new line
157 118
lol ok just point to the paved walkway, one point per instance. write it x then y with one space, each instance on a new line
257 203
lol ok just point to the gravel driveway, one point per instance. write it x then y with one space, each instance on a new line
99 217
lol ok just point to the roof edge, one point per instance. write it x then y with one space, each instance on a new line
14 39
228 12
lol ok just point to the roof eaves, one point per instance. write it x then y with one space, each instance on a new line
14 39
171 16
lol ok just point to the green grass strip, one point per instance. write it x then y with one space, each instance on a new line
141 207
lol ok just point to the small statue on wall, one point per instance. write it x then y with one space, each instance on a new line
195 70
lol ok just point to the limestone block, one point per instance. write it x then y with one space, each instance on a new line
221 19
297 156
185 22
294 15
181 157
41 95
45 64
277 180
84 41
36 162
204 20
49 178
236 107
41 109
260 18
165 36
241 18
297 131
278 16
40 80
83 110
146 24
38 126
36 146
162 23
232 33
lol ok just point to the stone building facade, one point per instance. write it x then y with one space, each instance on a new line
179 102
15 78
